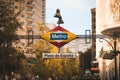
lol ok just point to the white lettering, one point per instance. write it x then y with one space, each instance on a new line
60 36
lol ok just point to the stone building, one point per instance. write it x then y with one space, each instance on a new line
29 14
108 23
94 63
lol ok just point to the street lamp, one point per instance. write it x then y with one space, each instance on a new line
60 21
58 15
115 53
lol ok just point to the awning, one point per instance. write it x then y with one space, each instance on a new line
95 69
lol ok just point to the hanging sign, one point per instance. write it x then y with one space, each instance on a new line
59 36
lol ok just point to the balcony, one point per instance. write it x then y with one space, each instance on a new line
30 4
30 10
110 29
111 19
30 18
29 27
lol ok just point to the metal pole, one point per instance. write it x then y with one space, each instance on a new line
115 53
58 50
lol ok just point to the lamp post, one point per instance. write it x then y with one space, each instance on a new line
115 53
60 21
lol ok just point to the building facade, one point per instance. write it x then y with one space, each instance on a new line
30 13
94 62
108 23
93 51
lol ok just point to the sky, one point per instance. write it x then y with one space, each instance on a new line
76 14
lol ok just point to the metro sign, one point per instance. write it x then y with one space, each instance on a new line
59 36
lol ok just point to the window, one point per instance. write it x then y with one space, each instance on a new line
16 7
43 11
22 23
22 15
43 14
43 5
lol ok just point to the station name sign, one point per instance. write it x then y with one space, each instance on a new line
59 55
59 36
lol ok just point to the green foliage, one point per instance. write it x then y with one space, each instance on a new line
41 46
8 22
70 67
11 59
54 68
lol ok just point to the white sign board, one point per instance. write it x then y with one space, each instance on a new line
59 55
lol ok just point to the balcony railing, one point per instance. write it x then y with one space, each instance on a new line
31 4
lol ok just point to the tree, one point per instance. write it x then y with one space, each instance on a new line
11 59
54 68
41 46
8 22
